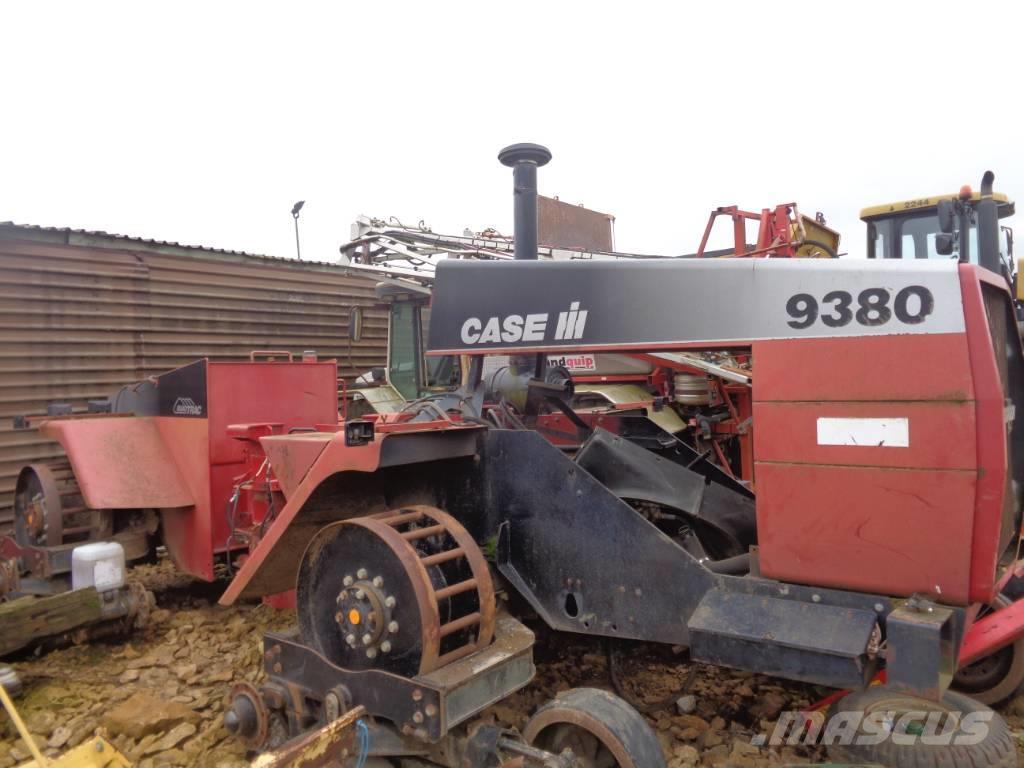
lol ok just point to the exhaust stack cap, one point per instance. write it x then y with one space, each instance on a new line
514 154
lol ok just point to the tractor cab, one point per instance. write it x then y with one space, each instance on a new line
913 229
408 375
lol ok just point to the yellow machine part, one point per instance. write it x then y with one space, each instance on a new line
97 752
818 233
902 206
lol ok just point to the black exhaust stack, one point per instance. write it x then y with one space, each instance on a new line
987 212
525 159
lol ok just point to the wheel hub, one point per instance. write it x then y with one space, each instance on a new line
364 614
406 591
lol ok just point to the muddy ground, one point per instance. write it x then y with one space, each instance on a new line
160 693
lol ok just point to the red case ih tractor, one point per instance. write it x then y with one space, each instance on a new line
885 528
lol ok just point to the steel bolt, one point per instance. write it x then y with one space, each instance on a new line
367 639
350 639
392 627
417 695
339 617
385 646
360 594
431 710
378 581
815 598
347 581
879 607
389 601
371 653
417 717
361 573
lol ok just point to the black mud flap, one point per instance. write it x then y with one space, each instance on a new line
721 515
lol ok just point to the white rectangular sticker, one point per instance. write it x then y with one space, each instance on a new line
877 433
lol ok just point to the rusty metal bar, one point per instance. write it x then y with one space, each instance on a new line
423 533
454 626
456 589
443 557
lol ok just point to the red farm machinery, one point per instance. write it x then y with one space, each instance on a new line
172 460
861 526
884 531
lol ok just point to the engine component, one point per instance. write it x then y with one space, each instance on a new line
406 591
692 389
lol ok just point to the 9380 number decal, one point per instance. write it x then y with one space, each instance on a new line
872 306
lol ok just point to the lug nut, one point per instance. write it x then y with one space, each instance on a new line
378 581
393 627
347 581
371 653
360 594
361 573
350 639
389 601
367 639
385 647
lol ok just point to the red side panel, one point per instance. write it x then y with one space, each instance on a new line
121 463
889 531
893 519
188 531
296 395
991 436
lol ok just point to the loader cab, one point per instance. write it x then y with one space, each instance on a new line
408 375
911 229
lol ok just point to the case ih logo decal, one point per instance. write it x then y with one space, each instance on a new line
514 328
186 406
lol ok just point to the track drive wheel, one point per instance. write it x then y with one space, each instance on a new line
996 677
602 730
407 591
49 509
901 731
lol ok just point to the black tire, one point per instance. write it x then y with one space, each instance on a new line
995 749
623 732
997 677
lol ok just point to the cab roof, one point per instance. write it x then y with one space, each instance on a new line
905 206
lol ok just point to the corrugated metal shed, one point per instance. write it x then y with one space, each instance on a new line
82 313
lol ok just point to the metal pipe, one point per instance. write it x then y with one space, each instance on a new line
987 214
732 566
525 159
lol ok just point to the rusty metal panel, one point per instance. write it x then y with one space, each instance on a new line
83 313
562 225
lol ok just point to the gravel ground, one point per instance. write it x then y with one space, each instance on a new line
160 693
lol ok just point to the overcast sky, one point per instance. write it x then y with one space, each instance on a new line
204 122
